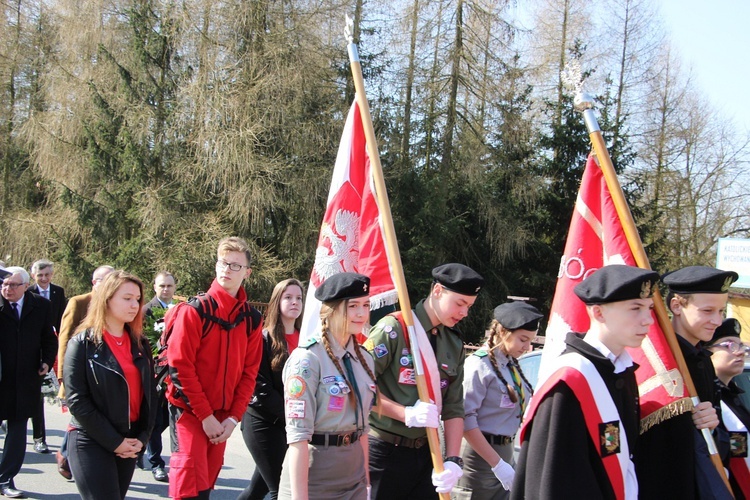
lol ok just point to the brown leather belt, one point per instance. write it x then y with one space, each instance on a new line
335 439
397 440
497 439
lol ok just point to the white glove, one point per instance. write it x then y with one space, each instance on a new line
369 492
421 415
504 473
446 480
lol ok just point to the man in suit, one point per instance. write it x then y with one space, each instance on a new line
42 272
164 286
72 317
27 348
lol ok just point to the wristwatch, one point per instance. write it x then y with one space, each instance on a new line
456 460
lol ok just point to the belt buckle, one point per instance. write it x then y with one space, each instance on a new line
347 440
419 442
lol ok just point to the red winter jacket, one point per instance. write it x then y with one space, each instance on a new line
214 375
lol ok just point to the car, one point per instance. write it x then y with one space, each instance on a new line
743 381
529 364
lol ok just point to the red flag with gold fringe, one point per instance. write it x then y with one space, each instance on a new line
596 238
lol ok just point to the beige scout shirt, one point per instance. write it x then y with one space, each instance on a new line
486 400
316 397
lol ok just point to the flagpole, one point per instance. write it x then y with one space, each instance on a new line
389 233
584 103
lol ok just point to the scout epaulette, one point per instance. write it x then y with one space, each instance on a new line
309 343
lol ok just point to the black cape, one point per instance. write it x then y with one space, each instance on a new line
558 459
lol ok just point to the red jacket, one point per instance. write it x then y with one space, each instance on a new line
213 375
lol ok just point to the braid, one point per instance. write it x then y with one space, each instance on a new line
329 351
523 376
491 347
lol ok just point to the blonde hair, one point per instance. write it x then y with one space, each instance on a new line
96 318
333 317
499 334
234 244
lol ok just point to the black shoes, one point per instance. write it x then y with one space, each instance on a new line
9 491
40 446
160 474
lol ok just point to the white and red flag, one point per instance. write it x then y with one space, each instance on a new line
596 238
351 236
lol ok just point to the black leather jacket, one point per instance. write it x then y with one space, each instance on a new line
98 395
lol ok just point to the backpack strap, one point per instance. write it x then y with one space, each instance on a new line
206 306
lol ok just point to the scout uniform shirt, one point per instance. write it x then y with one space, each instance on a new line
316 397
488 405
394 368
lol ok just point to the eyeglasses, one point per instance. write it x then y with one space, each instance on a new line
232 267
734 347
12 286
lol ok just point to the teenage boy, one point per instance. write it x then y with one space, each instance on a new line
400 461
579 433
697 299
211 374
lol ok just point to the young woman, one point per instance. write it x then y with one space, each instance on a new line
263 422
496 394
108 378
728 357
329 388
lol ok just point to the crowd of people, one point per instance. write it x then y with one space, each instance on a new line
328 417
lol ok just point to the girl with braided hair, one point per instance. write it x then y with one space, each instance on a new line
329 388
496 393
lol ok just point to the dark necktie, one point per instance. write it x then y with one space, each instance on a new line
15 310
353 381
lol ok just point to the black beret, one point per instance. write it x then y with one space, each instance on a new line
458 278
730 327
343 286
518 316
615 283
4 274
699 279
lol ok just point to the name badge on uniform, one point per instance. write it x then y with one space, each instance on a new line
407 376
505 402
295 408
336 403
609 438
738 444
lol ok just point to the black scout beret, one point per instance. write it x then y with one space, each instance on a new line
730 327
616 283
699 279
458 278
343 286
518 316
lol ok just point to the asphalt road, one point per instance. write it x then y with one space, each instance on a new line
39 477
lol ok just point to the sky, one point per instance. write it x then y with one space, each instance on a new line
713 37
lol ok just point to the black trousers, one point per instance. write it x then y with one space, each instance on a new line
398 472
14 450
154 445
99 473
267 444
37 421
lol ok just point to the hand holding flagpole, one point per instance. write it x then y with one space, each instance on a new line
389 233
585 103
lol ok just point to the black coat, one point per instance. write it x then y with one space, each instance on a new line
57 297
24 345
268 400
558 459
98 395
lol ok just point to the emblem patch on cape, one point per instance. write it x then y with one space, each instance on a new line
609 438
738 444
